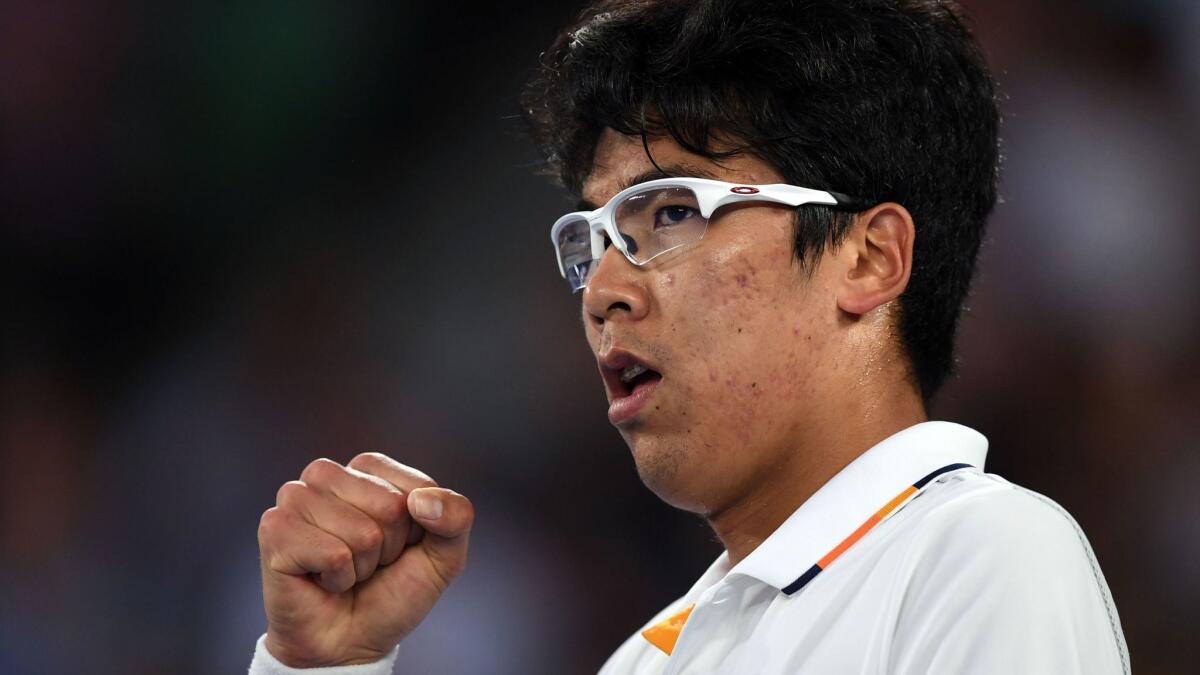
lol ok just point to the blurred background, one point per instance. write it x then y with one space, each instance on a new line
239 236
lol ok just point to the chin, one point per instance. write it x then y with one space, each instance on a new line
673 471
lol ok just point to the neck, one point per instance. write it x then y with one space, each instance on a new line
809 463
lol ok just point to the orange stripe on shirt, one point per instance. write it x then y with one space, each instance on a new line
865 527
665 633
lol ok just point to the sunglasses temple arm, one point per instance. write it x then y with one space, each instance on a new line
852 204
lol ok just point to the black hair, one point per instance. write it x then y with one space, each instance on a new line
887 100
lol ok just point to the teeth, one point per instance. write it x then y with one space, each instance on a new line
632 371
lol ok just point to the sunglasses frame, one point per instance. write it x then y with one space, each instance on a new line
710 196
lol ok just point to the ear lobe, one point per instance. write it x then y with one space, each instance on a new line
877 253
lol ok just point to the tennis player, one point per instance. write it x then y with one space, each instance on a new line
781 207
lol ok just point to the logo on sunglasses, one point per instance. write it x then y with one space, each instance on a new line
744 190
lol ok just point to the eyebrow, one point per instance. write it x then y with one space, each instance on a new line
669 171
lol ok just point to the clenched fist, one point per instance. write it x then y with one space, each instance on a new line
354 557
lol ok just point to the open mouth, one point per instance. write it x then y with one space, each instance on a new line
630 383
632 378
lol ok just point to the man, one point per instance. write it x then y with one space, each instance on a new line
782 203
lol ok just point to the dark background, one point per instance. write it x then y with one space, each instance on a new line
239 236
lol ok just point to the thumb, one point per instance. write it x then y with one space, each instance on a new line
447 517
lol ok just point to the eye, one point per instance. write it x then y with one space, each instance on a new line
630 243
668 216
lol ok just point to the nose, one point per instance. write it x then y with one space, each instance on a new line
615 291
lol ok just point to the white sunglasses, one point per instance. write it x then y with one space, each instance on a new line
658 216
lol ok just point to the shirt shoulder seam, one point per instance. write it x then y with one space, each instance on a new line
999 484
1097 575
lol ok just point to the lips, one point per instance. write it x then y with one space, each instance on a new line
630 380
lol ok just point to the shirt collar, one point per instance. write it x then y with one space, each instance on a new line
850 498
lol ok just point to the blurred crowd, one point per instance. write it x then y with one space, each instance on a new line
240 236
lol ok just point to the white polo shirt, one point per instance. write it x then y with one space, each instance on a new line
910 560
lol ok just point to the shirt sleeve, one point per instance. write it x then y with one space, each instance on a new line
1006 584
266 664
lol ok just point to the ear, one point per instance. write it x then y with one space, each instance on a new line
876 257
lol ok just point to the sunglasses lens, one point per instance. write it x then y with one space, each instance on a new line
574 245
658 220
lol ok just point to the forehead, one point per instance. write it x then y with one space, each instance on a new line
620 159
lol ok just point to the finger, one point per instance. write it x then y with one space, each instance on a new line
383 502
402 476
294 547
359 531
447 518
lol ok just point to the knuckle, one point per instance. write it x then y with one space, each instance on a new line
339 557
320 471
291 492
368 537
393 506
275 537
269 524
365 460
422 479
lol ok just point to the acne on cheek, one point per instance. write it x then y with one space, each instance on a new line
737 291
733 285
744 278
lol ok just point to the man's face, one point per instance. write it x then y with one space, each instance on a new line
745 340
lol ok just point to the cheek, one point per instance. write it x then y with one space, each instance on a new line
748 346
746 297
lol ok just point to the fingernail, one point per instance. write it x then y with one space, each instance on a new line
427 506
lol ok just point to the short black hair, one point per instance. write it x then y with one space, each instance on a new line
888 100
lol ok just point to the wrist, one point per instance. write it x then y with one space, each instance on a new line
305 657
266 663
